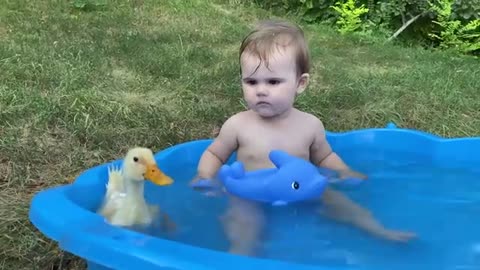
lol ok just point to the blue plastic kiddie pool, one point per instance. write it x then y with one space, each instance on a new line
417 182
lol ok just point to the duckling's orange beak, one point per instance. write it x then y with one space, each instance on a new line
157 177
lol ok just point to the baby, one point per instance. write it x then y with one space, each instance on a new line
274 62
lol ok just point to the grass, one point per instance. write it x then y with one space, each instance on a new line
78 88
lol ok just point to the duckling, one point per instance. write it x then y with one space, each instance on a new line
124 203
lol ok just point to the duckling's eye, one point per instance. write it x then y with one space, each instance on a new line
295 185
135 159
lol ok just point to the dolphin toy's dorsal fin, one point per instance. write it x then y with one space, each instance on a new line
237 170
279 158
234 171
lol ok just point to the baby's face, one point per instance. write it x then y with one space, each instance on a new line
270 91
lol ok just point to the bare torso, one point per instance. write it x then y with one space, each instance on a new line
298 133
257 137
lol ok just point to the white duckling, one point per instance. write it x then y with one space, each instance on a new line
124 203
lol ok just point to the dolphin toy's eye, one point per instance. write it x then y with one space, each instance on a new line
295 185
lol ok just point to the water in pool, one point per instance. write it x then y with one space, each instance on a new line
442 206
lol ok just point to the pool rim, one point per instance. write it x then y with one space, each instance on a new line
87 235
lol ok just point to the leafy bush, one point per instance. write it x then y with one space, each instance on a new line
466 10
453 34
423 21
349 16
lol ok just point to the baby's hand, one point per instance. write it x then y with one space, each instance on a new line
194 180
345 174
209 187
397 236
200 183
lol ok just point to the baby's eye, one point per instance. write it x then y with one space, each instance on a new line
251 82
273 81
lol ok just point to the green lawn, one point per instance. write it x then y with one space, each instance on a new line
79 88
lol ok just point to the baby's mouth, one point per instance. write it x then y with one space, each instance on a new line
262 103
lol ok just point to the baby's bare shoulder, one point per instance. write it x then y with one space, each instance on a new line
238 118
234 122
310 121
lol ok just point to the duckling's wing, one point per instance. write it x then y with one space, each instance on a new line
113 196
115 181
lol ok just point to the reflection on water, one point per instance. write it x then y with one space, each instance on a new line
441 206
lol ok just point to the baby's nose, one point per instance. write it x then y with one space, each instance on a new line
262 91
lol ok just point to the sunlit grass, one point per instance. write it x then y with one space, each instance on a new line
78 88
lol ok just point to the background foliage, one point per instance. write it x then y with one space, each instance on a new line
441 24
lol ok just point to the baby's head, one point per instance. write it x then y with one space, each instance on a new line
275 63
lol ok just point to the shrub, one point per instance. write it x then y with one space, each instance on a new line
443 24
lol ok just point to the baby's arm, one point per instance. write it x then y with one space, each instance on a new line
322 154
219 151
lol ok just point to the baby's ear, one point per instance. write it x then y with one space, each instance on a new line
302 82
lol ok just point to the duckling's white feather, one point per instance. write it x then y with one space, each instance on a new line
115 192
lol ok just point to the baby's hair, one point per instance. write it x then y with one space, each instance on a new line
271 34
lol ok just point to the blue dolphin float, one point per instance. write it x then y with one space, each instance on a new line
293 179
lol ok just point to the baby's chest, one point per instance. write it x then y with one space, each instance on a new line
261 142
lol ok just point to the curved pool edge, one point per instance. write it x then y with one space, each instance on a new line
389 127
85 234
88 236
